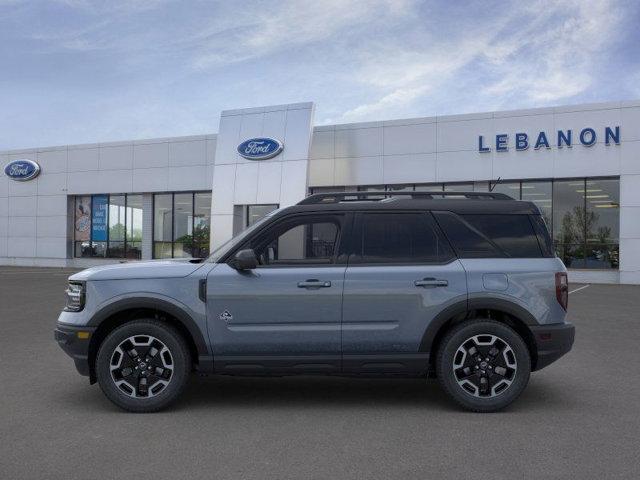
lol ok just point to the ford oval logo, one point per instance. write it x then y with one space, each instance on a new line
260 148
22 170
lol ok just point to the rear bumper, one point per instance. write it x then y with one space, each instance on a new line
77 347
553 341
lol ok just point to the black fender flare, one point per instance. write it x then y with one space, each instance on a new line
503 305
453 310
154 303
464 306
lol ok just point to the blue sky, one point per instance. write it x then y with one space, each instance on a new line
77 71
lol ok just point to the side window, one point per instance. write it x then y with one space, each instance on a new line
544 239
467 241
301 241
400 238
490 236
513 234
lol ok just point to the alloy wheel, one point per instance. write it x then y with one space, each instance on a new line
141 366
484 366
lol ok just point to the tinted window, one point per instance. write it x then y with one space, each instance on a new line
400 238
544 239
468 242
513 234
299 241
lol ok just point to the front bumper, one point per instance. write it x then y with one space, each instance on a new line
552 341
75 343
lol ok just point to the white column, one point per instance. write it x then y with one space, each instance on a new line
630 229
279 180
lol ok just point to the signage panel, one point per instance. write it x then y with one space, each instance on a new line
99 207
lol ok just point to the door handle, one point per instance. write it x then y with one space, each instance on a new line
431 283
313 283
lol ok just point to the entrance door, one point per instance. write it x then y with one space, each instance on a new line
400 276
285 314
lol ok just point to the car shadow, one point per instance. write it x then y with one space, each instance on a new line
321 392
252 392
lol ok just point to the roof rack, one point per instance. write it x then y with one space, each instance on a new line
338 197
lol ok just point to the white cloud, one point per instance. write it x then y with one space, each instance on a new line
542 52
290 23
555 63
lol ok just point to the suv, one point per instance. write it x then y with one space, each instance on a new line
463 286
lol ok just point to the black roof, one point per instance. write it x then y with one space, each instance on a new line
457 202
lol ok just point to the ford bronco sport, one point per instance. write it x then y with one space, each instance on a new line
463 286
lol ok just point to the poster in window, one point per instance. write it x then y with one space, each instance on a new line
83 219
99 218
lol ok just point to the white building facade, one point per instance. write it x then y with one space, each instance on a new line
81 205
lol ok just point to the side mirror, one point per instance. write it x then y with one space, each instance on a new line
245 260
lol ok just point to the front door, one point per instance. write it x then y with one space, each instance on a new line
401 274
285 314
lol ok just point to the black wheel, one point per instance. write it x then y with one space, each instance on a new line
143 365
483 365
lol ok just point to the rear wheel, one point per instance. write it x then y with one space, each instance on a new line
483 365
143 365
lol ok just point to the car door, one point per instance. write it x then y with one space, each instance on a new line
285 314
401 274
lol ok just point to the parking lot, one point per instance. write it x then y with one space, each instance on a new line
579 418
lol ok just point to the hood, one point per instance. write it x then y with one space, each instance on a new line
133 270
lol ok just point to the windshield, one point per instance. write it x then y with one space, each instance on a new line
230 244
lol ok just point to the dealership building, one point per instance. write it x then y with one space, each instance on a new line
82 205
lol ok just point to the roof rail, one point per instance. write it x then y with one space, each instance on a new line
338 197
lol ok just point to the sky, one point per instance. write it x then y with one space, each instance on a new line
80 71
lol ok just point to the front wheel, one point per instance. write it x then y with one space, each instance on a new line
483 365
143 365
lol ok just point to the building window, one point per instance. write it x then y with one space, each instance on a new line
458 187
108 226
540 193
511 189
134 226
257 212
181 224
602 223
201 224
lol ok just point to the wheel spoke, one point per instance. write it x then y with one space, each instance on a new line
500 371
142 386
484 385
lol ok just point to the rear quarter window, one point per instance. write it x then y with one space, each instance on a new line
489 235
544 238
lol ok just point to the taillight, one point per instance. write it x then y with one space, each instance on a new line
562 289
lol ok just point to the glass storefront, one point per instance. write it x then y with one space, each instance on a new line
108 226
181 224
583 215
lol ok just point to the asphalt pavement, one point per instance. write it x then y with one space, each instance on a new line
578 418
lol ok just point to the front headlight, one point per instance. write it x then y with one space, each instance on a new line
75 297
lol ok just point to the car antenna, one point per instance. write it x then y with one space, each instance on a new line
494 185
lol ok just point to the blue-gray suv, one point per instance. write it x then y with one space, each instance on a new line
461 286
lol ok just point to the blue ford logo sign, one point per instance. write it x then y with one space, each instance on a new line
22 170
260 148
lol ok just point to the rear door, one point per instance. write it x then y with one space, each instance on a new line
401 274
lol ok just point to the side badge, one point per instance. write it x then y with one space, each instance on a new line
226 316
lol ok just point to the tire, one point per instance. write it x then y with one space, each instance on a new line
460 368
145 345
